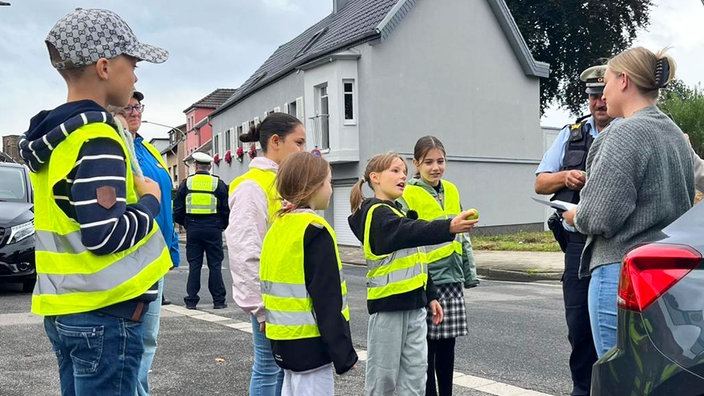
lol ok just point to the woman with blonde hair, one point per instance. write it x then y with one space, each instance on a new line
640 178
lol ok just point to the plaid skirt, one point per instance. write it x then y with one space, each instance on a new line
451 298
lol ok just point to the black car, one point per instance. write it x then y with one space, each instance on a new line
16 226
660 337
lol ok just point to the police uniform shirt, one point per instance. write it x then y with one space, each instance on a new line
552 159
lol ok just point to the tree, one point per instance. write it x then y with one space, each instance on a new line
572 35
685 106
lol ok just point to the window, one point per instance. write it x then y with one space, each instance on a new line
292 109
240 131
348 92
322 122
228 139
216 144
175 173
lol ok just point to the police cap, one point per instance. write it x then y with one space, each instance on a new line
202 158
594 79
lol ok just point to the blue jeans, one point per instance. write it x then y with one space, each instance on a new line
96 353
603 310
267 376
150 324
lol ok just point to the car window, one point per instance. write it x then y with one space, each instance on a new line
12 185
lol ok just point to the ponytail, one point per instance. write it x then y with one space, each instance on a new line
356 196
280 124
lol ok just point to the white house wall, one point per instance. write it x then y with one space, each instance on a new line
448 70
275 95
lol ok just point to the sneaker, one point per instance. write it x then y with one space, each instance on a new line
220 306
165 301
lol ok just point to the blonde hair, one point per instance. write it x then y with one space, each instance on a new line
376 164
648 71
299 177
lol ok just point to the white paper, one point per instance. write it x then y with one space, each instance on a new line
556 204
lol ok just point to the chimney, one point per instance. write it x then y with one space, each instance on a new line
337 5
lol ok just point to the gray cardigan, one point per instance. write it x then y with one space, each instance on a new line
640 179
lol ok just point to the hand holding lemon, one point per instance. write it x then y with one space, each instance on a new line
464 221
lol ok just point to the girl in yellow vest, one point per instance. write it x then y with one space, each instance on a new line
253 203
304 292
398 288
450 265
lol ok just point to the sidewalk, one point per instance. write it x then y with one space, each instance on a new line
496 265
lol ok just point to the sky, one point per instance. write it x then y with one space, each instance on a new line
219 44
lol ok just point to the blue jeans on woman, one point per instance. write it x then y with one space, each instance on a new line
267 376
150 324
603 309
96 353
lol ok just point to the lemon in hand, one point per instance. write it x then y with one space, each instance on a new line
474 215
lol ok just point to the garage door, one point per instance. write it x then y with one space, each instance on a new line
341 208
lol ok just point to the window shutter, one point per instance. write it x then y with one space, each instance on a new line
300 114
285 108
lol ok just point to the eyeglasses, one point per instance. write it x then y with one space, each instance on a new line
138 108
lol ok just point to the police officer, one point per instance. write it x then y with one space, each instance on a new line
201 207
561 173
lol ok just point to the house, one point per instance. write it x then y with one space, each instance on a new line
11 148
160 144
198 130
375 75
174 154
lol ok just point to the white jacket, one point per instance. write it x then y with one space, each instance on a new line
244 236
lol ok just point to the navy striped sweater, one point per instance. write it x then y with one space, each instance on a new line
101 162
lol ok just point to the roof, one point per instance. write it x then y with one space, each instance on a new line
357 22
213 100
177 130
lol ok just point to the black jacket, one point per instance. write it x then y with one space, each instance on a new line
389 233
323 285
219 220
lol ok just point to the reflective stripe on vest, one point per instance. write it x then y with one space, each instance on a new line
266 180
70 278
200 198
288 306
395 273
429 209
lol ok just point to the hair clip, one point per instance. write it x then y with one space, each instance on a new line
662 72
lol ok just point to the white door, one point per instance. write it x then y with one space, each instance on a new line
341 208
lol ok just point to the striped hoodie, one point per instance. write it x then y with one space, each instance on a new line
101 162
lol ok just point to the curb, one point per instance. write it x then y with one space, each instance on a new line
519 276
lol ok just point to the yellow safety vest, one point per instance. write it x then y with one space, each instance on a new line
266 180
288 307
200 198
429 209
395 273
70 278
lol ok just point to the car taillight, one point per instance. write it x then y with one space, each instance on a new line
650 270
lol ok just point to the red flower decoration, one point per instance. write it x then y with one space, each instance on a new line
228 156
239 153
252 150
216 158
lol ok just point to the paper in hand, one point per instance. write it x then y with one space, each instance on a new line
556 204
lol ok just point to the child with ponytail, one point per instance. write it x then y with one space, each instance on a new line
398 287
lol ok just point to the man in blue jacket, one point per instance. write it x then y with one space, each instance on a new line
153 167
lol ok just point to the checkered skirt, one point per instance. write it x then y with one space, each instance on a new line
451 298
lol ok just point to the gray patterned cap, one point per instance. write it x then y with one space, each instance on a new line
86 35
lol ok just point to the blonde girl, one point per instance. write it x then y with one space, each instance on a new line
304 292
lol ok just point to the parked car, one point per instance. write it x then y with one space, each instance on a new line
16 226
660 337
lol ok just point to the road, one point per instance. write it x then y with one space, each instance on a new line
516 344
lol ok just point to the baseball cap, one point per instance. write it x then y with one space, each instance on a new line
86 35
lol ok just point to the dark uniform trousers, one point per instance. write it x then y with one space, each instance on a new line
208 240
579 333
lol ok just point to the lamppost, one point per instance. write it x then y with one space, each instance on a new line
5 3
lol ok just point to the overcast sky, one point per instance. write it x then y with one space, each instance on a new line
218 44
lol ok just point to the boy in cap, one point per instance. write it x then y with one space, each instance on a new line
561 173
99 252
